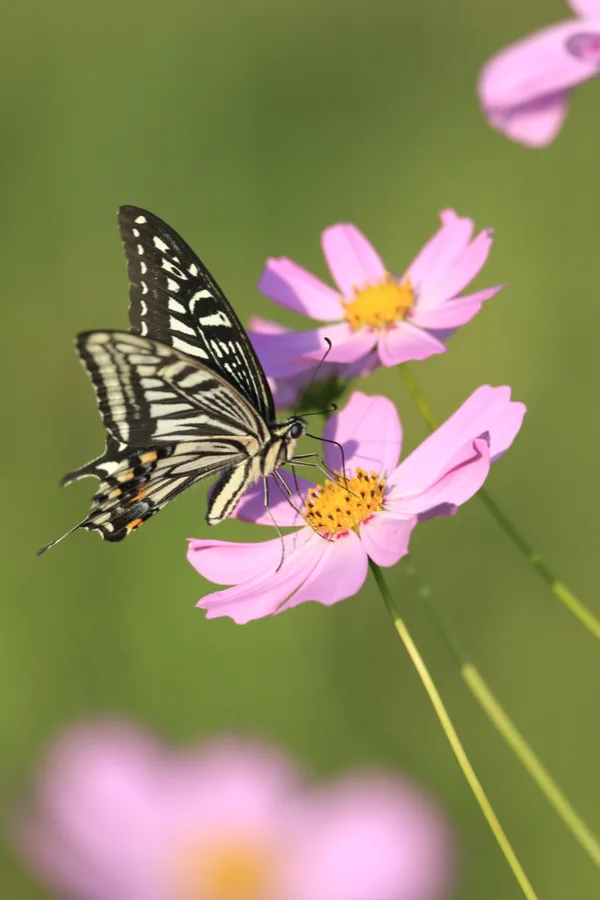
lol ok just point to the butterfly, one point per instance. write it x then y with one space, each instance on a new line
182 395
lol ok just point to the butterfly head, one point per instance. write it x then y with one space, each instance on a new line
289 433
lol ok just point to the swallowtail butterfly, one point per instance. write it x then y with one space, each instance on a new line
182 395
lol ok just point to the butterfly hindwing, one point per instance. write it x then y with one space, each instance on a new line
136 484
175 300
103 465
143 483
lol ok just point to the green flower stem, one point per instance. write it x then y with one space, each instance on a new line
502 722
452 736
558 588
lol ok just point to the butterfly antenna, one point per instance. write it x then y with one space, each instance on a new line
318 366
321 412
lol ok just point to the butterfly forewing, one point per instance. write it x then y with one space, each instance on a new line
174 299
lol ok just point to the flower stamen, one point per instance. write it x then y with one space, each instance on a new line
341 504
379 305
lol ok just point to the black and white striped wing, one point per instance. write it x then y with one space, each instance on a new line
149 393
175 300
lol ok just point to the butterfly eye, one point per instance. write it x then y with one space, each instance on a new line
296 430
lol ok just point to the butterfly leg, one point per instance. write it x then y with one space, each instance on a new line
287 491
321 465
272 518
336 444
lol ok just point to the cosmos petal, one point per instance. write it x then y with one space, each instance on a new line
229 562
339 573
370 432
290 285
585 8
353 261
386 537
524 89
458 481
452 313
441 250
405 342
285 355
265 593
535 123
369 838
484 412
450 282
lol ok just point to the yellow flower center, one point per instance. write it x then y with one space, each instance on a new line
342 504
379 305
225 870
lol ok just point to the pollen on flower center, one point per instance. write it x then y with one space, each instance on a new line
379 305
342 504
225 870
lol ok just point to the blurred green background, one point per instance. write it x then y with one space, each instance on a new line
250 126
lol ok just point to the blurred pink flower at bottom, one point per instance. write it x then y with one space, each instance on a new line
118 816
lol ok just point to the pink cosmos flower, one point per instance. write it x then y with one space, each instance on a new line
288 392
399 318
524 89
118 816
372 514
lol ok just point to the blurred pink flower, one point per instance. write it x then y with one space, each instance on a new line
398 318
118 816
524 89
326 560
288 392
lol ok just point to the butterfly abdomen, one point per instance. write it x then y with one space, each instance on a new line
230 487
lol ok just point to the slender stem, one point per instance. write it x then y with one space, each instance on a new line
415 392
558 588
452 736
490 705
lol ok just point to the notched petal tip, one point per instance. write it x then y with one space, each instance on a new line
449 216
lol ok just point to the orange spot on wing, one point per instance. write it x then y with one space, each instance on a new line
135 523
148 457
125 476
114 493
